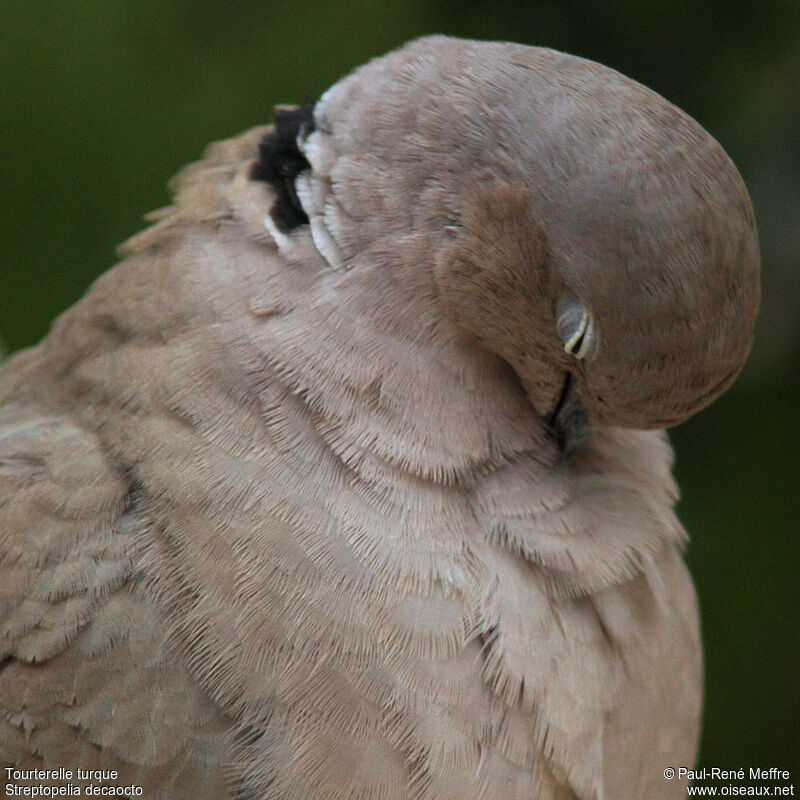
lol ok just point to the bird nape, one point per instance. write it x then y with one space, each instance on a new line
349 481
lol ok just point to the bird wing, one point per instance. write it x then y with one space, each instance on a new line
87 680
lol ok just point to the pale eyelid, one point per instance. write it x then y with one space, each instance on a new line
577 327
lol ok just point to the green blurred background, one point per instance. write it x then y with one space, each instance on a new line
103 100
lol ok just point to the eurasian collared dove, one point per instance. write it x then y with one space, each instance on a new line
348 483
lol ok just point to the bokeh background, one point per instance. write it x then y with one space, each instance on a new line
102 100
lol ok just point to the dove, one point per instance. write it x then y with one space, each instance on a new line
350 480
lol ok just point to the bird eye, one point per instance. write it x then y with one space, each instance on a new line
576 327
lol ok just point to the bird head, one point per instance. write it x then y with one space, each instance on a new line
575 223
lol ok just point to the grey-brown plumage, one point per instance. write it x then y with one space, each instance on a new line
341 485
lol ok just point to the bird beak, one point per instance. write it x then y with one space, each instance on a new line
569 419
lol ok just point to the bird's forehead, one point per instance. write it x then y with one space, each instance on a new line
623 182
510 86
576 134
